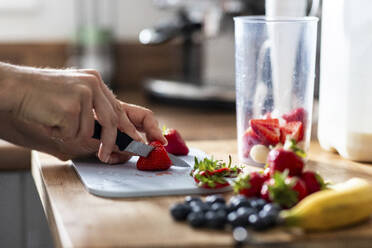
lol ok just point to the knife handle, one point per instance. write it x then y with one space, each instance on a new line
122 139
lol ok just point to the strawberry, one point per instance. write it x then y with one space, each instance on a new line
293 129
313 181
249 185
264 193
250 139
176 145
157 159
298 114
281 159
284 190
267 129
266 173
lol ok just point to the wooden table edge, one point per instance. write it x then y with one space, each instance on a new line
59 234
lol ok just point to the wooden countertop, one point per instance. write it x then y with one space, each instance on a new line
79 219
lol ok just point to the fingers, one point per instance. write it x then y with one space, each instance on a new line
124 124
116 158
144 120
106 116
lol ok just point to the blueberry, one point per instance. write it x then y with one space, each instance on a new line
246 211
215 220
269 207
218 206
236 198
238 202
196 219
236 220
180 211
270 217
211 199
197 206
258 204
189 199
258 223
241 236
222 212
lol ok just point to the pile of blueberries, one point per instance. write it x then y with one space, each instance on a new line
215 213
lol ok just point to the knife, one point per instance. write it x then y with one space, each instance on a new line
126 143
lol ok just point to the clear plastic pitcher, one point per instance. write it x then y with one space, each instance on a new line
275 71
345 96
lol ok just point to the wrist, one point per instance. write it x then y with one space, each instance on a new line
11 90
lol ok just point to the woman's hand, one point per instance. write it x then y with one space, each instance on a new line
61 105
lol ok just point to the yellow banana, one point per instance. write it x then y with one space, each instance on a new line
341 205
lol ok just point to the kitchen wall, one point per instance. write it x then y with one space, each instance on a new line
54 20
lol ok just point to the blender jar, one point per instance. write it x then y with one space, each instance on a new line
275 70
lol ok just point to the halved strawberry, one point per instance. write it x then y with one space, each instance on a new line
157 159
295 129
267 129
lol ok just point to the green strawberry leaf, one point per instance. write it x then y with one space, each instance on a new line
281 191
242 182
323 185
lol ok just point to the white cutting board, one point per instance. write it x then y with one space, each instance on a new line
124 180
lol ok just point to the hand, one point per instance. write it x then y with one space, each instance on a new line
61 105
65 103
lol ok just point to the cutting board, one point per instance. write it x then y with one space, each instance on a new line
124 180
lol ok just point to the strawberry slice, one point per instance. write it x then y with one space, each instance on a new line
157 159
294 129
176 145
298 114
267 129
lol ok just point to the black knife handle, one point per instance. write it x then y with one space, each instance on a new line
122 139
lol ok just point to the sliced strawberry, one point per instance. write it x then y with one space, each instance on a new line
293 129
157 159
267 129
298 114
250 139
176 145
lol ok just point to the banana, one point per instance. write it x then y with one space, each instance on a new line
341 205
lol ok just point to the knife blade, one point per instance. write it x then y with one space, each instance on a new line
177 161
126 143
